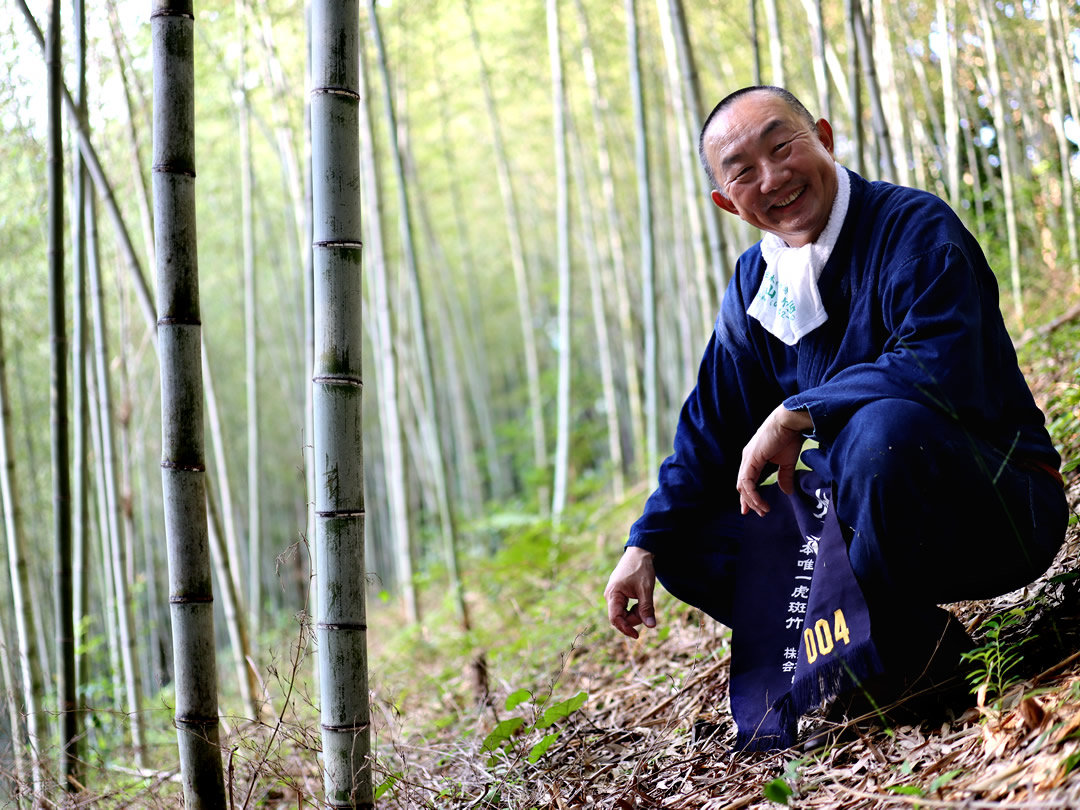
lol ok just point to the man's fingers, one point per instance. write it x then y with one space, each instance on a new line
785 477
621 618
624 627
616 607
644 611
750 499
632 580
625 619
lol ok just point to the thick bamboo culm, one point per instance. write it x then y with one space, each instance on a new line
336 399
183 468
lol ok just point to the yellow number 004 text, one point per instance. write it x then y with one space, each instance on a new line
820 639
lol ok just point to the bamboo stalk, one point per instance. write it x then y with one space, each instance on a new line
645 239
562 216
336 393
183 458
386 363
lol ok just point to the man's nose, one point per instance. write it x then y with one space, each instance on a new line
774 174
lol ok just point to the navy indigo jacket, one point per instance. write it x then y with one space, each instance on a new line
913 314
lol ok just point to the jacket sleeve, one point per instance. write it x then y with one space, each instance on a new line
697 481
942 337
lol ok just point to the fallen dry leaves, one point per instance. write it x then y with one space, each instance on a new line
656 732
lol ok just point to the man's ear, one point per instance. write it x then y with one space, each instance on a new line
723 202
825 134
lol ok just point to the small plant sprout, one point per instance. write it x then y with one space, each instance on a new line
995 661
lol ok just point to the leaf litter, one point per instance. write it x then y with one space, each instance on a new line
656 731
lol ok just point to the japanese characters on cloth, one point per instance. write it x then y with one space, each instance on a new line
788 303
800 629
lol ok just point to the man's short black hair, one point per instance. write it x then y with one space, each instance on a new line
726 101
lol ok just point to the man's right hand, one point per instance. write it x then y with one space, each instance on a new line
633 578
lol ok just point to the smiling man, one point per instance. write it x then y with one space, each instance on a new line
867 319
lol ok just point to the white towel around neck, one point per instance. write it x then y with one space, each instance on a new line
788 303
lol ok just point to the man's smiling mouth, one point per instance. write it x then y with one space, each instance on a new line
790 199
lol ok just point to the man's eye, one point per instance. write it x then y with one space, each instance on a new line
782 145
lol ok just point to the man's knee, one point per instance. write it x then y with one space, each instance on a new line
890 439
929 502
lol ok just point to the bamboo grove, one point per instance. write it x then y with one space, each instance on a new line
540 269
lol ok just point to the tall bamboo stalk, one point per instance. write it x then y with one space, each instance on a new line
30 677
116 539
386 361
946 16
884 165
854 85
1004 138
222 476
247 229
467 314
522 282
426 403
821 76
710 214
755 41
776 47
66 685
336 393
142 191
102 516
58 399
183 469
1056 106
232 610
80 504
613 265
645 236
891 90
700 320
562 217
10 688
600 325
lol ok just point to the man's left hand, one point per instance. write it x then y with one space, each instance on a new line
777 441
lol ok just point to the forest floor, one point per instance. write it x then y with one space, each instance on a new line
579 717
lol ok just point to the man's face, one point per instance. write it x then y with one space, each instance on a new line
775 171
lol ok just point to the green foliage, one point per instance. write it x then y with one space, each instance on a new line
1055 368
501 738
943 779
1064 421
907 790
778 790
995 661
517 698
1068 765
501 734
541 747
782 788
561 710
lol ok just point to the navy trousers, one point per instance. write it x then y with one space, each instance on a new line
932 514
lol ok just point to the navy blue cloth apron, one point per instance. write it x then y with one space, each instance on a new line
800 629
